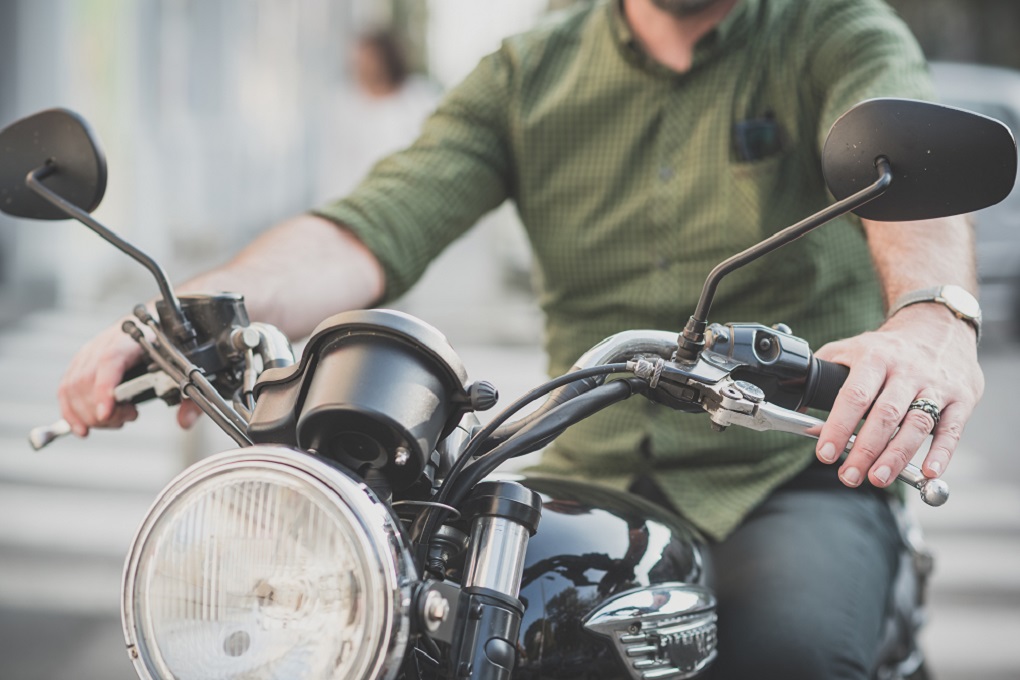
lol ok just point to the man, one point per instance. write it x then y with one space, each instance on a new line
643 141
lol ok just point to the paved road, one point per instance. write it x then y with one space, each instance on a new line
976 537
68 514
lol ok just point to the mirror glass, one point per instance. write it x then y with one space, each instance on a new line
56 135
945 161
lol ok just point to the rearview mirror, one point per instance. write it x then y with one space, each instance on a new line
52 168
890 160
63 140
944 161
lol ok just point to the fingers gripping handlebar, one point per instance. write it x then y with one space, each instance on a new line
137 387
825 379
731 402
749 375
208 372
824 382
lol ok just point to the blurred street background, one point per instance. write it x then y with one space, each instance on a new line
218 118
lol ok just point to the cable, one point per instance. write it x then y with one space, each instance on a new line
540 432
434 516
479 439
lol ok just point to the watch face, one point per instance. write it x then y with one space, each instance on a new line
961 302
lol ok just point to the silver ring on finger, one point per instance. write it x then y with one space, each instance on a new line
929 407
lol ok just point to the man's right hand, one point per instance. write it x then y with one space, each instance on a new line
293 276
86 390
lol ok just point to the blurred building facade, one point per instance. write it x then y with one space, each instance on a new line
210 114
207 112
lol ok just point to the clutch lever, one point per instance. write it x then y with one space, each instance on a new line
134 391
737 402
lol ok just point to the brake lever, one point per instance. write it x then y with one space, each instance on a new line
43 435
737 402
132 391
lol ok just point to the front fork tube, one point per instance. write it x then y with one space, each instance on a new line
489 613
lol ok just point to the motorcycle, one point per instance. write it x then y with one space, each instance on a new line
361 528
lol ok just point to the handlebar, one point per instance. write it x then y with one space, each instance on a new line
824 380
714 383
791 377
226 355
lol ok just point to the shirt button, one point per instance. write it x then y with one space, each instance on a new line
665 173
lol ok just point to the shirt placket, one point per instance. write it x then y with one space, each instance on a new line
669 193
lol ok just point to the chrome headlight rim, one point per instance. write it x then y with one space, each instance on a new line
378 533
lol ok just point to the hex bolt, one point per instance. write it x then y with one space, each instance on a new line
731 392
401 456
437 608
749 391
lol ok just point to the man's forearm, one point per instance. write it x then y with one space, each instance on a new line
913 255
298 273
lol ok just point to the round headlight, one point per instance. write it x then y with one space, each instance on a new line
267 563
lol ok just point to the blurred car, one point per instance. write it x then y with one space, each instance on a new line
994 92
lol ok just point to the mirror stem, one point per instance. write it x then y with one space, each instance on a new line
177 325
692 339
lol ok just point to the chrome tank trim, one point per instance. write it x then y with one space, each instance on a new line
667 630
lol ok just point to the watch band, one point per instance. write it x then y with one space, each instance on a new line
957 299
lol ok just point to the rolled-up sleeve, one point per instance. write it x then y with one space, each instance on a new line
861 51
417 201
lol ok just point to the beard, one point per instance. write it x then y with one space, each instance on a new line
684 8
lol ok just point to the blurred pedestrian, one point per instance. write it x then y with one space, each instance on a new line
381 114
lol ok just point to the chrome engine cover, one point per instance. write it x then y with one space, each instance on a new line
663 631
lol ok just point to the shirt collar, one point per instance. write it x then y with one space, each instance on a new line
730 29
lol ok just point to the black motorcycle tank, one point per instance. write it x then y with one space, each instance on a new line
594 544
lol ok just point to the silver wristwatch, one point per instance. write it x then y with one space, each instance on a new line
961 303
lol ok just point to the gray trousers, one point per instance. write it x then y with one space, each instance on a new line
803 584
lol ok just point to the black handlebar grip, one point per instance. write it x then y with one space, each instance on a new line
823 383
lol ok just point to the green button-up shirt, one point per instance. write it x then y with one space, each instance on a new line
633 182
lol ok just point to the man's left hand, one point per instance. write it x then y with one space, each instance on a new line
922 352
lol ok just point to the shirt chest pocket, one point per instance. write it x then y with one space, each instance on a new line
759 196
